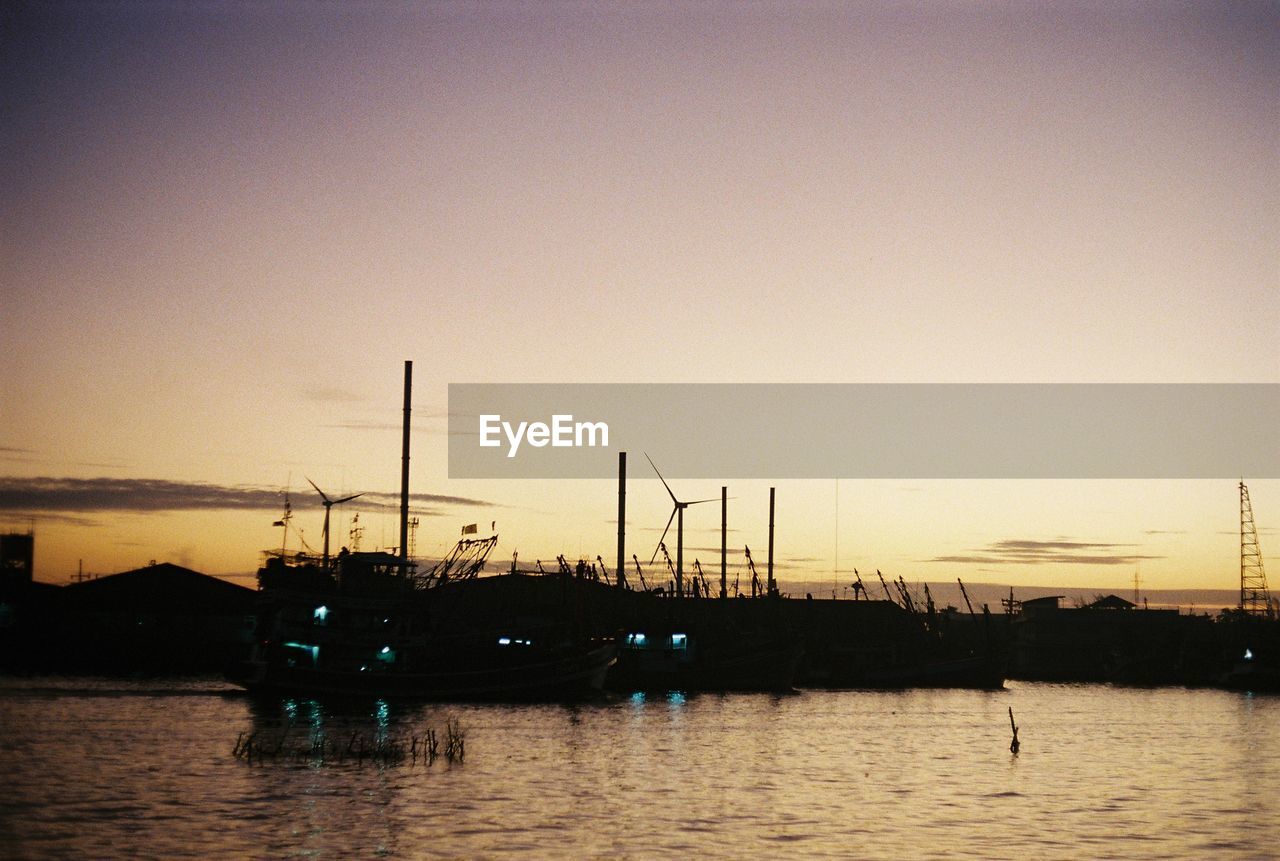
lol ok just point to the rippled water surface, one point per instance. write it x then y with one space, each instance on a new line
105 769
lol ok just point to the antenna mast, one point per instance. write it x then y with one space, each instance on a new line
355 533
1254 598
412 553
283 523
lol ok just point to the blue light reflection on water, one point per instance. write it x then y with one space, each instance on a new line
382 714
96 771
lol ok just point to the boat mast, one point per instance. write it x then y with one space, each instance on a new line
404 464
773 586
622 520
724 537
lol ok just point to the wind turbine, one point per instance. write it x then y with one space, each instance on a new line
328 504
677 514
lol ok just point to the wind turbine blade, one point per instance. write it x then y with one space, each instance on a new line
347 498
664 534
661 479
696 501
319 491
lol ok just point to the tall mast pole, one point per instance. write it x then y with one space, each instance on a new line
622 518
680 551
404 463
724 538
772 587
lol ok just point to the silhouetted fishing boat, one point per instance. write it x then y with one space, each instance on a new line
1254 673
895 644
369 625
974 671
676 660
891 666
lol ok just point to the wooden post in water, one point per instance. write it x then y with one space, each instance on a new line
1013 745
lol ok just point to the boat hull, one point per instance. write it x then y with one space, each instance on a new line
1253 677
975 672
765 667
554 674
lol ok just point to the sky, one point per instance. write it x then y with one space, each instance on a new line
225 226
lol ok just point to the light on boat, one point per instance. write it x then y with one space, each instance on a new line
321 613
679 641
386 649
1248 654
504 641
313 651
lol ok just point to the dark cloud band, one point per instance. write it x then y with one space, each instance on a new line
1057 552
147 494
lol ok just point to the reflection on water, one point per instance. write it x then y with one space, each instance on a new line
109 770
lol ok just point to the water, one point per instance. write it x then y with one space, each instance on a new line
104 769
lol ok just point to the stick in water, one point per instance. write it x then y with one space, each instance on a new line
1013 745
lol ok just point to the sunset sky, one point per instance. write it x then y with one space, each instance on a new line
224 227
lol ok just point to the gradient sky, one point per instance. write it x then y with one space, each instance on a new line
223 227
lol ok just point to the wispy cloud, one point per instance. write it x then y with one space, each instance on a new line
687 530
389 501
360 424
143 494
389 425
332 395
1058 552
77 520
1165 532
103 464
13 454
